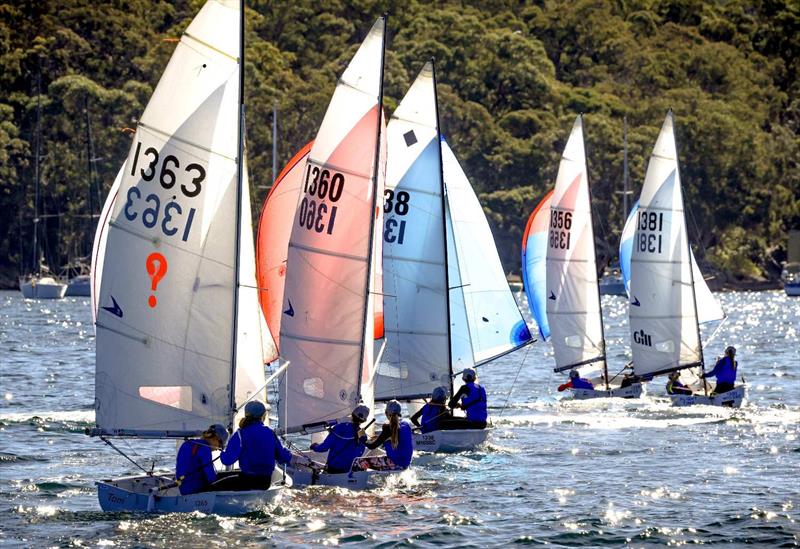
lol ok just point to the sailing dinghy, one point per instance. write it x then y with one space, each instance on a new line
181 342
560 274
330 315
669 298
447 305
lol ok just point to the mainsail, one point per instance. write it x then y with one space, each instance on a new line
485 321
573 299
165 322
327 328
417 355
534 259
272 244
663 277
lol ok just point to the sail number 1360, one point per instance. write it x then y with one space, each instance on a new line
320 185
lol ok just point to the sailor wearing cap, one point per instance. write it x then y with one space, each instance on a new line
194 468
473 401
256 447
397 440
345 442
434 415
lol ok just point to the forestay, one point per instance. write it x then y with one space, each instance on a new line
272 244
534 258
326 325
417 354
573 299
165 319
479 295
663 311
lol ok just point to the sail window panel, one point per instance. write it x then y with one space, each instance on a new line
395 370
667 346
575 341
314 387
177 396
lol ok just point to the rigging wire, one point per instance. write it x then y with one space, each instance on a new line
513 383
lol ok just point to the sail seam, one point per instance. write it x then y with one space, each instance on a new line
339 169
209 46
122 227
321 340
413 260
443 334
173 137
320 251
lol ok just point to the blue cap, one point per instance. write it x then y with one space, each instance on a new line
393 407
439 394
220 431
255 408
468 374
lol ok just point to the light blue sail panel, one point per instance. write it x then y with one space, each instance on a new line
626 247
534 265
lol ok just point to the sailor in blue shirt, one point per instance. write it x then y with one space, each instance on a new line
256 447
576 382
345 442
194 469
434 415
397 440
473 402
725 372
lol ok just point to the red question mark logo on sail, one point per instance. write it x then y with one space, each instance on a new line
156 267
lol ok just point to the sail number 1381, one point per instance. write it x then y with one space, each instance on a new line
648 231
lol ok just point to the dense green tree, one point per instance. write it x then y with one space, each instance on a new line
513 75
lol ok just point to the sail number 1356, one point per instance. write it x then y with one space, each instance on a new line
320 185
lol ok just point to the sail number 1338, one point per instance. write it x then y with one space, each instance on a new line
320 185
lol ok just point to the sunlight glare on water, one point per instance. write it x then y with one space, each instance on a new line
592 473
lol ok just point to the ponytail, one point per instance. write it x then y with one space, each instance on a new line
394 424
249 420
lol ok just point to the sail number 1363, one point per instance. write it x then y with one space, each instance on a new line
320 185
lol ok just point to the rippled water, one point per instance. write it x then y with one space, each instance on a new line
614 473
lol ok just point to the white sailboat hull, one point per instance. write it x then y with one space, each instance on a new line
133 495
631 391
449 441
355 480
80 286
42 288
730 399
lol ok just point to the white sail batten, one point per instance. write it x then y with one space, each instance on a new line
495 324
573 300
165 318
663 311
327 319
416 358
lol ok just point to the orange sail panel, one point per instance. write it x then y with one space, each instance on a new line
272 244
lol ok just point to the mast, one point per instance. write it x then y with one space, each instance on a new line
689 256
444 225
36 150
625 191
239 185
372 210
594 248
89 161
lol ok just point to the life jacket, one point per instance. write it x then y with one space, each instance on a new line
580 383
431 416
343 446
193 461
401 456
475 402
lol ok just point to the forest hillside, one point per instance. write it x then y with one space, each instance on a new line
513 75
